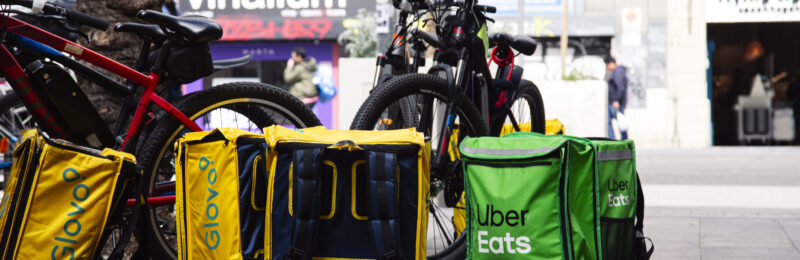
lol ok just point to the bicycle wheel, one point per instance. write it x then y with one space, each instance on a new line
243 105
13 118
445 185
527 109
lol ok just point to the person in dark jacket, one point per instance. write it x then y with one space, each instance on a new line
617 94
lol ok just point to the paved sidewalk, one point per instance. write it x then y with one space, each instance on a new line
722 203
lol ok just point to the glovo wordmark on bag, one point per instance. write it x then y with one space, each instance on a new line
212 236
502 244
617 200
72 227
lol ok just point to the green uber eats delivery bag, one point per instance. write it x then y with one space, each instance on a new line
530 196
63 201
346 194
621 201
583 197
220 194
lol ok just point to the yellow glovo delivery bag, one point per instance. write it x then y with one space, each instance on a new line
220 194
63 201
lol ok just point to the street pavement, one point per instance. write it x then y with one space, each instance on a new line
722 202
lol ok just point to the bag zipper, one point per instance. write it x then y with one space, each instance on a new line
13 235
393 148
182 155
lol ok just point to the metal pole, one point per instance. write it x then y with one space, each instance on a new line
564 42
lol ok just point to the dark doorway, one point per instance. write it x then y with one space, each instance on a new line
735 61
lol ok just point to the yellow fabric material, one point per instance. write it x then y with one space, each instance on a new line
25 145
460 216
551 127
207 183
452 147
69 203
319 135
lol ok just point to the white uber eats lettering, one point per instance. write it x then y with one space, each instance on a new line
504 244
621 199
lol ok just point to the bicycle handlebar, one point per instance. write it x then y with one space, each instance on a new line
88 20
430 38
70 15
486 8
476 7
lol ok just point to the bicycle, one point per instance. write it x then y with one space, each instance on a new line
148 135
458 97
13 118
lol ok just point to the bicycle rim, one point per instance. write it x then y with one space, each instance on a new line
243 113
442 229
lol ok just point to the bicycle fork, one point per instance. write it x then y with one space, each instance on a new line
439 161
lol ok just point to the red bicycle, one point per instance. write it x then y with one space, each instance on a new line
175 50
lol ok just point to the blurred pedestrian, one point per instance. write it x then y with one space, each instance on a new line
617 94
299 75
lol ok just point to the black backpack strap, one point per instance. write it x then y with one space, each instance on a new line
383 204
641 246
639 206
305 222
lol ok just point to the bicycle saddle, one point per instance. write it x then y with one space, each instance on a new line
194 29
523 44
150 31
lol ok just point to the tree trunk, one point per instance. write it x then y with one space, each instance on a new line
121 47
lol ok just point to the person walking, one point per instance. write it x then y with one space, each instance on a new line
299 75
617 94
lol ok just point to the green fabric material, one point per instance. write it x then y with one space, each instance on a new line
617 179
300 79
532 172
618 197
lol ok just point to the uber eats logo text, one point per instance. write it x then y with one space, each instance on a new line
621 199
65 244
503 244
212 236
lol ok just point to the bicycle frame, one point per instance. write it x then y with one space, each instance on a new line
48 45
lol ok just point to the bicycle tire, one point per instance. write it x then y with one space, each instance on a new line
529 94
155 153
396 93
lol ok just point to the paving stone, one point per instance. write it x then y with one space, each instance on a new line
725 253
674 238
742 233
689 212
792 229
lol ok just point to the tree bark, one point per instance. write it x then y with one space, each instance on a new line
121 47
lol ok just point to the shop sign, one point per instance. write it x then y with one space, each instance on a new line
244 20
731 11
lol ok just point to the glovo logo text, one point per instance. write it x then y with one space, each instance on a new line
67 242
212 236
502 244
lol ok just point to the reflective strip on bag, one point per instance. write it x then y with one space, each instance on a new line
467 149
614 155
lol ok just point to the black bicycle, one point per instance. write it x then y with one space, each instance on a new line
457 97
